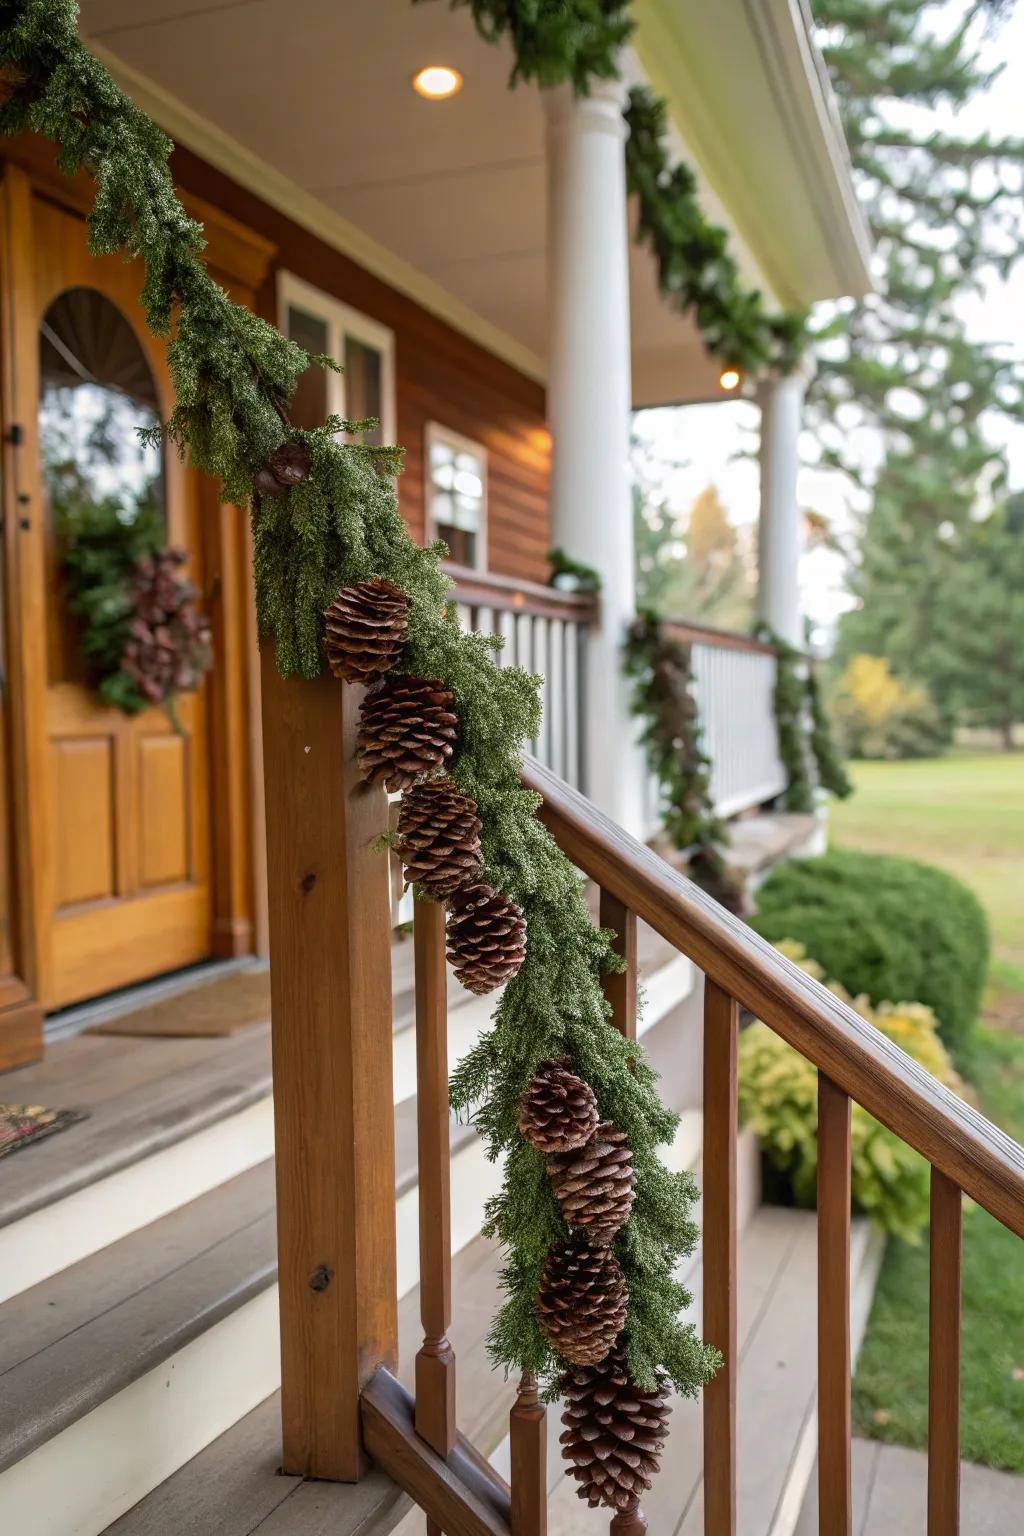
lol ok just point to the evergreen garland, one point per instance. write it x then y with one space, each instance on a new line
577 41
832 774
807 746
662 673
326 517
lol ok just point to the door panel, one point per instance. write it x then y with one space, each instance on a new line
122 891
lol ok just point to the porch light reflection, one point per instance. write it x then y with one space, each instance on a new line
437 81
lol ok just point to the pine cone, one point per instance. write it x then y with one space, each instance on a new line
407 729
581 1303
438 837
486 937
614 1432
595 1184
366 630
287 466
558 1111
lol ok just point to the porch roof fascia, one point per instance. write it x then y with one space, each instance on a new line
802 225
196 133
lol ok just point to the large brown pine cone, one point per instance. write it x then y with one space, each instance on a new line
486 937
558 1111
407 729
595 1184
581 1301
287 466
438 837
366 629
614 1432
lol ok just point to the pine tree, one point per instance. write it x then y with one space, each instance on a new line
985 612
945 213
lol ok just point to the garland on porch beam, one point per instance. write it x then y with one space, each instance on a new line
328 535
661 668
558 41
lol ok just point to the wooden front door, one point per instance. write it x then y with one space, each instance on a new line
119 805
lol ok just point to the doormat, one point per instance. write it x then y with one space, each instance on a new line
222 1007
22 1124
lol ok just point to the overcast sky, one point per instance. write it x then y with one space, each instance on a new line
699 444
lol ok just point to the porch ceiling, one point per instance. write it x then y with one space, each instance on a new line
309 103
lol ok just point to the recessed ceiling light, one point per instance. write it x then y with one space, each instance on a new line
437 82
729 378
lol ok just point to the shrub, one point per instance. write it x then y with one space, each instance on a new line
886 927
877 715
779 1100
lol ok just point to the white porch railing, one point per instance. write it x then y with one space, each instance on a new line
734 680
546 632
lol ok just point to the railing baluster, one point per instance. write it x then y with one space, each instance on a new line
945 1245
620 986
721 1036
835 1497
528 1445
435 1362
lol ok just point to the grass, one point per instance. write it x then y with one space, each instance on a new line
966 813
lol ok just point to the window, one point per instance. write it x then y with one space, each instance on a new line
457 494
365 349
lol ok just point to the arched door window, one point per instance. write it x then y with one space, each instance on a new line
96 389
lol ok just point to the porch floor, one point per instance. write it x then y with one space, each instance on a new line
890 1495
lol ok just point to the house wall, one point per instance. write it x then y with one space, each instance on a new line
441 375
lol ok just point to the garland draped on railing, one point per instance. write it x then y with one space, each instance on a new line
578 41
662 671
807 746
328 535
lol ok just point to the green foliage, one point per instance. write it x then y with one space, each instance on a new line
695 268
233 376
879 716
555 41
984 618
828 761
789 701
582 578
663 697
778 1096
886 927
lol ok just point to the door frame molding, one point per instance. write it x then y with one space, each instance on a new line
240 259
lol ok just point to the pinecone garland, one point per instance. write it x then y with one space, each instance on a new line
407 729
558 1111
581 1301
486 937
595 1184
438 837
614 1432
366 630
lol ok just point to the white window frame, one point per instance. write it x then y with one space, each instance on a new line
342 320
436 432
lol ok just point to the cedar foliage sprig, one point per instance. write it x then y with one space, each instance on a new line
661 668
233 376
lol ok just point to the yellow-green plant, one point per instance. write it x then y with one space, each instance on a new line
779 1101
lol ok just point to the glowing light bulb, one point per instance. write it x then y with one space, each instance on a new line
437 82
729 378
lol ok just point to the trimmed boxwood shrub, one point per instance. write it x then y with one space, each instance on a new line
886 927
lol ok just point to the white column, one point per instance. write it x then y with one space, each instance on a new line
780 530
589 399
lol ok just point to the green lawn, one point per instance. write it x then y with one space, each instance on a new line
965 812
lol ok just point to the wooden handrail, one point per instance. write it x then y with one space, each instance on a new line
724 639
984 1162
485 589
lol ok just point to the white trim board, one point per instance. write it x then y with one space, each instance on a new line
83 1479
59 1235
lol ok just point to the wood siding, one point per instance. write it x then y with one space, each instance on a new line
440 376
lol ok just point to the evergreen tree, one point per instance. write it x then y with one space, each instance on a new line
985 612
945 213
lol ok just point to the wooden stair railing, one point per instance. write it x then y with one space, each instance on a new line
331 1005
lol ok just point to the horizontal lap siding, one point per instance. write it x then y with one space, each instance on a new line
441 376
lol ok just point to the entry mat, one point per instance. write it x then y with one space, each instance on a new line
221 1007
22 1124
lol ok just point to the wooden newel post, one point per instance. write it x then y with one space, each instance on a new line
330 967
